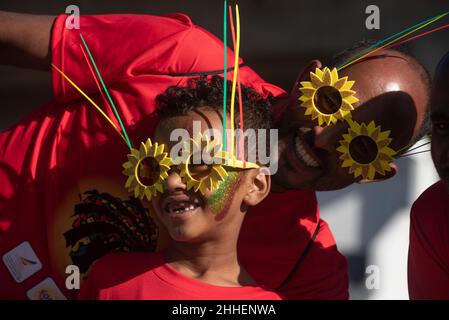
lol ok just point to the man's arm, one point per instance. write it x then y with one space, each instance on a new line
25 40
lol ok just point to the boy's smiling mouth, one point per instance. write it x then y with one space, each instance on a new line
180 205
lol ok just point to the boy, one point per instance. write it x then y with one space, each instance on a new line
428 262
200 261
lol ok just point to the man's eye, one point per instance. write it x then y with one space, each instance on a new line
441 127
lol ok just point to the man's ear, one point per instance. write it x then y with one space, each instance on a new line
260 184
305 75
388 175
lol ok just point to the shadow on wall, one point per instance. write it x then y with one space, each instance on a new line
378 204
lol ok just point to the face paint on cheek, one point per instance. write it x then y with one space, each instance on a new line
221 199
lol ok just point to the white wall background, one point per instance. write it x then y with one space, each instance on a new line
371 225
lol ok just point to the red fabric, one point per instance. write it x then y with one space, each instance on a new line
140 276
274 236
428 260
65 147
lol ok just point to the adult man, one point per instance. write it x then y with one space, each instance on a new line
393 92
428 260
283 244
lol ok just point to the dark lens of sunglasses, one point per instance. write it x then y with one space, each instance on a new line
363 149
148 171
197 168
328 99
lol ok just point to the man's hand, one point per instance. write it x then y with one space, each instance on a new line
25 40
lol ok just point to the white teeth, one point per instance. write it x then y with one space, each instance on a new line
302 153
180 207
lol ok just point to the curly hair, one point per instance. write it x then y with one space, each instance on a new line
203 91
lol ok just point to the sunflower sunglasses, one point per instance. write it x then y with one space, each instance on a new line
364 149
148 167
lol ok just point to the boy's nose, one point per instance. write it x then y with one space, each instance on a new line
174 182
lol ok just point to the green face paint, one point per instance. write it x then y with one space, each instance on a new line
221 199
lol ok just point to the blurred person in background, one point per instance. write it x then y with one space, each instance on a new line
428 260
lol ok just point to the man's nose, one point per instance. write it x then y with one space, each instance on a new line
320 140
174 182
325 138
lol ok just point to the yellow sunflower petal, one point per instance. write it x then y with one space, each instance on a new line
307 84
371 173
137 192
142 151
316 81
340 83
351 100
159 187
148 144
384 155
342 149
347 86
320 72
383 143
134 153
347 93
363 130
327 77
334 76
222 173
128 171
371 127
377 165
347 163
128 181
307 92
357 171
191 184
365 170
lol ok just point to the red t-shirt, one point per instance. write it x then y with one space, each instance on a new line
65 148
428 259
146 276
284 237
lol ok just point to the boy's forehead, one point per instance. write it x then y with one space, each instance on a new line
198 120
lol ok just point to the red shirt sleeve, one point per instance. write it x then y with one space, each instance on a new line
428 260
164 45
117 55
